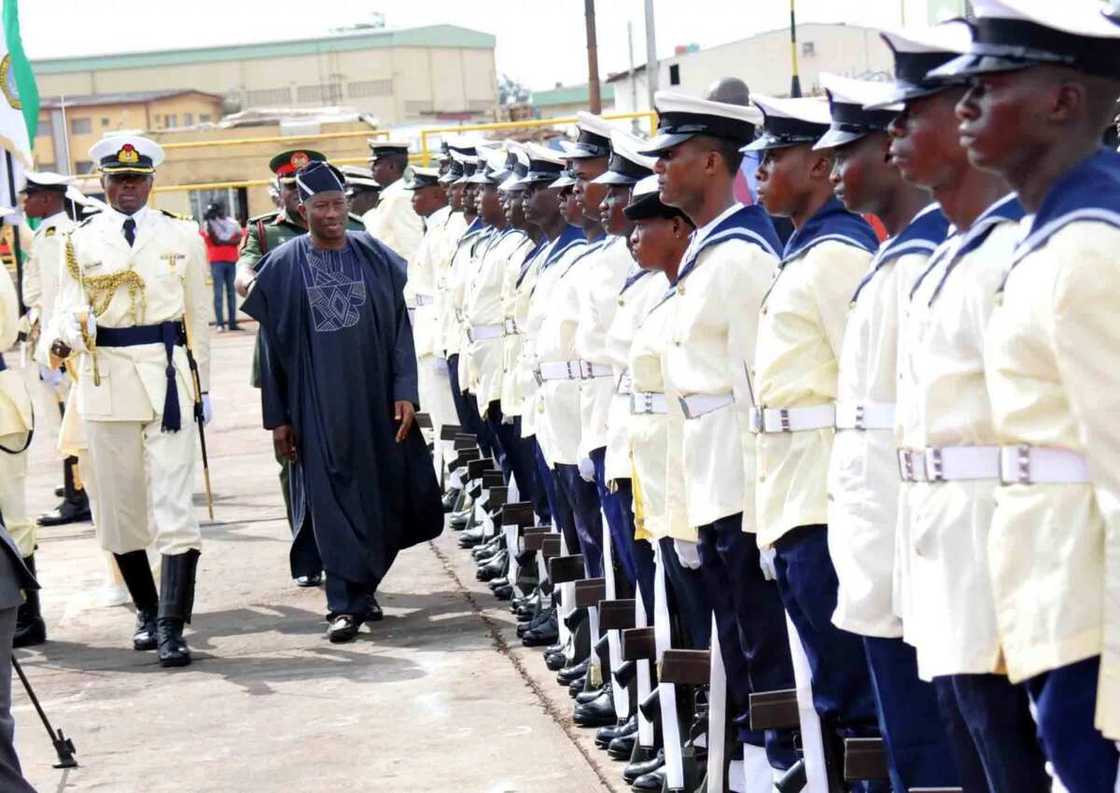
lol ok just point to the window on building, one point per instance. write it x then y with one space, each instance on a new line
171 120
234 200
327 93
808 49
81 126
84 166
675 74
370 88
417 107
45 128
105 121
268 96
204 118
46 166
188 119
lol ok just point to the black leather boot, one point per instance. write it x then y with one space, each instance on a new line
30 628
75 503
137 575
175 607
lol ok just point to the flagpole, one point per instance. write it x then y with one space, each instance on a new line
16 252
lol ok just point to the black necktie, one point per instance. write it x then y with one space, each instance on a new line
130 231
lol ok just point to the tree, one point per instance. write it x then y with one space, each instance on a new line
511 92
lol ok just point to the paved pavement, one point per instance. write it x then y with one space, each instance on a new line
439 696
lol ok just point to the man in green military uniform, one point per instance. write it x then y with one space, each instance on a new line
266 233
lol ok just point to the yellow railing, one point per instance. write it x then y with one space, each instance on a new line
423 157
532 123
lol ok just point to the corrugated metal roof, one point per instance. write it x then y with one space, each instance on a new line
569 94
451 36
120 98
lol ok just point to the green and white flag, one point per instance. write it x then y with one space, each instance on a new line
19 108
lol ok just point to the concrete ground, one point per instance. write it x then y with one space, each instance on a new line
439 696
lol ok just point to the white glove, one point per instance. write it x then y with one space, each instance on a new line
71 331
689 553
52 377
586 469
766 562
207 409
507 419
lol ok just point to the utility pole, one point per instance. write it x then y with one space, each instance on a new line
651 54
795 87
633 76
596 99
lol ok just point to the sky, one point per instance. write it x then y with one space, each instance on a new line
538 44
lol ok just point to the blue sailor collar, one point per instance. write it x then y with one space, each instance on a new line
748 223
1090 191
476 227
534 253
633 278
1006 210
831 223
926 231
592 247
570 237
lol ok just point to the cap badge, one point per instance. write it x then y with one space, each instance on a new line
128 155
300 159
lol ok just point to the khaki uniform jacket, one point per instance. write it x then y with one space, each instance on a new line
161 278
15 401
559 426
394 222
517 289
655 441
863 480
502 253
599 286
951 610
426 270
1052 353
799 336
640 293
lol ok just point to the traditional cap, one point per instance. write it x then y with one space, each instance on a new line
126 154
594 138
918 51
423 177
846 101
790 122
626 166
319 176
359 178
379 148
46 180
545 164
680 117
645 202
286 163
1009 35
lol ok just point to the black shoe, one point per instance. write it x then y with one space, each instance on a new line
498 583
59 492
589 695
504 593
605 735
459 520
495 569
622 747
71 510
307 581
566 675
555 661
576 687
30 628
487 550
450 498
375 614
599 712
653 781
137 575
145 636
344 628
176 606
472 537
638 769
173 649
543 635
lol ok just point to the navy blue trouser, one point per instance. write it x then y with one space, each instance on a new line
350 597
583 499
752 629
643 558
467 409
617 508
557 511
918 748
993 734
688 599
842 693
1065 704
517 451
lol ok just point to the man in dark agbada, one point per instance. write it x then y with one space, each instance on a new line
338 391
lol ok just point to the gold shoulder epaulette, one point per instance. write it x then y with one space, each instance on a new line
50 231
176 215
266 216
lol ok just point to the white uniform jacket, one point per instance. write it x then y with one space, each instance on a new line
394 222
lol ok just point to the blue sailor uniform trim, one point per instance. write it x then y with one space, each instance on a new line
570 237
633 278
832 222
170 335
3 363
926 231
530 257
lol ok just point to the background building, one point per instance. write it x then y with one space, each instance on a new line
565 100
763 61
438 72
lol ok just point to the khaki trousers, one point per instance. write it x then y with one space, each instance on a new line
136 465
13 494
